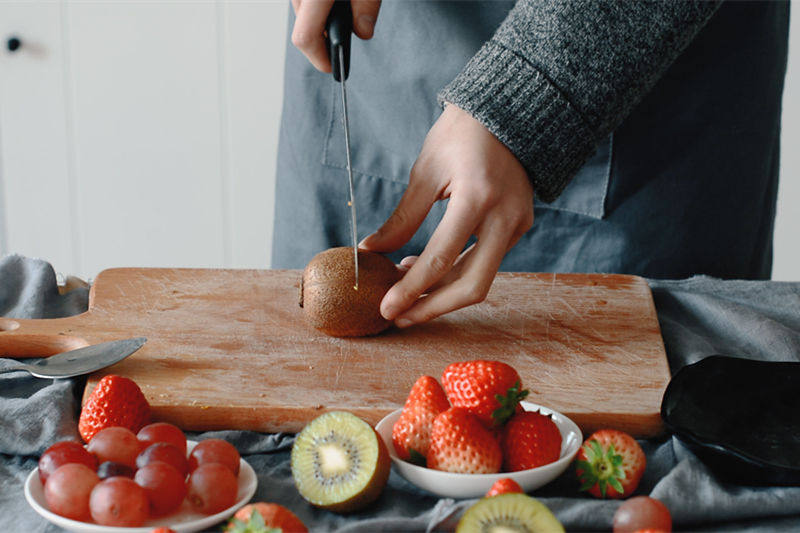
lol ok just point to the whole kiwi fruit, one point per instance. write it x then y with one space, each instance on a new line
331 301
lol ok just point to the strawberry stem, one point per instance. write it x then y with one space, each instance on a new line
508 403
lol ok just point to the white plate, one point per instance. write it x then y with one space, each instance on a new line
182 520
452 485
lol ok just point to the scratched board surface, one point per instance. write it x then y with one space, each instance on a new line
231 349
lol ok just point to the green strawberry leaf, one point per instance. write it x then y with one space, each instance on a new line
596 449
614 482
508 403
236 526
256 524
601 483
587 484
256 521
416 457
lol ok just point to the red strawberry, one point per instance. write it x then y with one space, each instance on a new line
491 390
460 443
261 517
503 485
115 401
530 439
610 464
411 433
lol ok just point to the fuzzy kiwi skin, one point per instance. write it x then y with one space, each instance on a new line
331 303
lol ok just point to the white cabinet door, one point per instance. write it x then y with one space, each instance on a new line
140 133
36 183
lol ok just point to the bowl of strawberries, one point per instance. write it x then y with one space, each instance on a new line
457 438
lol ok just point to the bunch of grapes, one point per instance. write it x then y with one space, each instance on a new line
123 479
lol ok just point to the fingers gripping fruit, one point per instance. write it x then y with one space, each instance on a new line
460 443
411 433
610 464
115 401
530 439
502 486
491 390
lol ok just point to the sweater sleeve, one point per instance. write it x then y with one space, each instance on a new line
559 76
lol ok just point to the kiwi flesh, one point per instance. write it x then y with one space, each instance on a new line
511 512
339 462
331 301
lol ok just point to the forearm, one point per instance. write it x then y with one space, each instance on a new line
559 76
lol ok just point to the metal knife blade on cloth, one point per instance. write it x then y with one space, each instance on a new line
339 28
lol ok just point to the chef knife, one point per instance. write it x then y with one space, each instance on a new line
339 28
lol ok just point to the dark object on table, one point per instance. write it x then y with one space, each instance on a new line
740 417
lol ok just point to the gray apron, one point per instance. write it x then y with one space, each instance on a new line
686 185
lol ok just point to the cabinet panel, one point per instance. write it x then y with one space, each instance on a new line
148 157
35 177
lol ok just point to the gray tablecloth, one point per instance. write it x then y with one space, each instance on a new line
699 317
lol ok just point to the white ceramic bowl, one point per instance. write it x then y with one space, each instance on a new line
447 484
182 520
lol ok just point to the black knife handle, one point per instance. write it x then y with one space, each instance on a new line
339 28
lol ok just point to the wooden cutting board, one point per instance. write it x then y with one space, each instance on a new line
229 349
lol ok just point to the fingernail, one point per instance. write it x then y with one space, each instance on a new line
367 24
365 240
388 312
403 322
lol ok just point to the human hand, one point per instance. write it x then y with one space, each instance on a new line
308 34
490 197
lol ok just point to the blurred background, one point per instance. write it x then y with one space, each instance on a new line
145 134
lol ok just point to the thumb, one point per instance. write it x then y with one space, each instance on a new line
404 222
365 14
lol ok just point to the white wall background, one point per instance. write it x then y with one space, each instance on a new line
145 134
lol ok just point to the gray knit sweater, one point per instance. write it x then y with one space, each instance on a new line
558 76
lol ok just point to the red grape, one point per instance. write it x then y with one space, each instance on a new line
111 469
164 485
212 488
215 451
119 501
642 512
116 444
62 453
68 488
162 432
161 451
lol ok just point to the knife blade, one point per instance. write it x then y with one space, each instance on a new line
339 28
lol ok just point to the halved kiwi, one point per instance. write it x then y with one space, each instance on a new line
339 462
331 301
511 512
